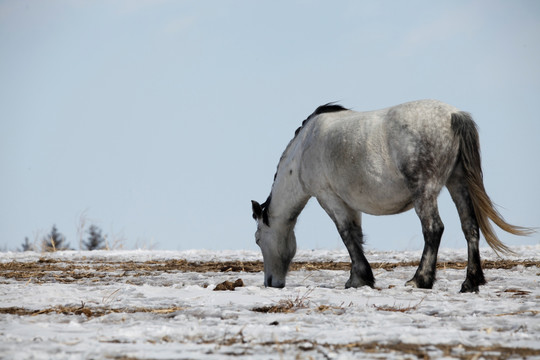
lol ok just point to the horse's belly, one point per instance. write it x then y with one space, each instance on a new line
383 208
370 183
382 198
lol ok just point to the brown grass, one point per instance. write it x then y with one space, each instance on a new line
514 292
47 269
397 308
399 349
287 305
395 350
89 312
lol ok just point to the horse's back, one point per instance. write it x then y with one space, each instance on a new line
373 157
423 118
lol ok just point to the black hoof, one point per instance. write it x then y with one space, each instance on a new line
470 286
467 288
472 283
421 283
356 283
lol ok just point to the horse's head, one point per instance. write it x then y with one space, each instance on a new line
278 246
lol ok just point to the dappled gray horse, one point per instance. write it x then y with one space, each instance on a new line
381 163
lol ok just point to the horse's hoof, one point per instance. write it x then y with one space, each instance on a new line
473 282
411 283
417 283
467 287
356 283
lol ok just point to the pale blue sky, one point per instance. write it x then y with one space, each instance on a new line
161 120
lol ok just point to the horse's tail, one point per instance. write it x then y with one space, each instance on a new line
469 153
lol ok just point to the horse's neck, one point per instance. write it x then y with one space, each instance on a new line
288 195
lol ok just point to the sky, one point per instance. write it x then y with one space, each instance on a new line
159 121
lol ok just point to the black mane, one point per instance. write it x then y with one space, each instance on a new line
323 109
326 108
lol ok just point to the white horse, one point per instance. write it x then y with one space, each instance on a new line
381 163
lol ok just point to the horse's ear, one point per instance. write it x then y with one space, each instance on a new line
257 209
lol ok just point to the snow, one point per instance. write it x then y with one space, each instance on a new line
164 315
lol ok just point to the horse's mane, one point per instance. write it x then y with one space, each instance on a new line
326 108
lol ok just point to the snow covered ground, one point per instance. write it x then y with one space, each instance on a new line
113 313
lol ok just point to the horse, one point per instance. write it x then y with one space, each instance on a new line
381 162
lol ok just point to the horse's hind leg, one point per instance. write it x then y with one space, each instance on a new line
348 224
459 191
432 228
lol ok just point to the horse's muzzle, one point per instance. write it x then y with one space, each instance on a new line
269 282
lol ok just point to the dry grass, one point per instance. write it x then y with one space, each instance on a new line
117 241
72 271
514 292
87 311
81 227
425 351
532 312
287 305
306 348
396 349
395 308
334 310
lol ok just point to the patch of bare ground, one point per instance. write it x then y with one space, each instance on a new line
88 311
423 351
48 270
406 350
229 285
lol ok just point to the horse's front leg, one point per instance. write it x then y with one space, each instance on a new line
348 224
432 228
361 273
